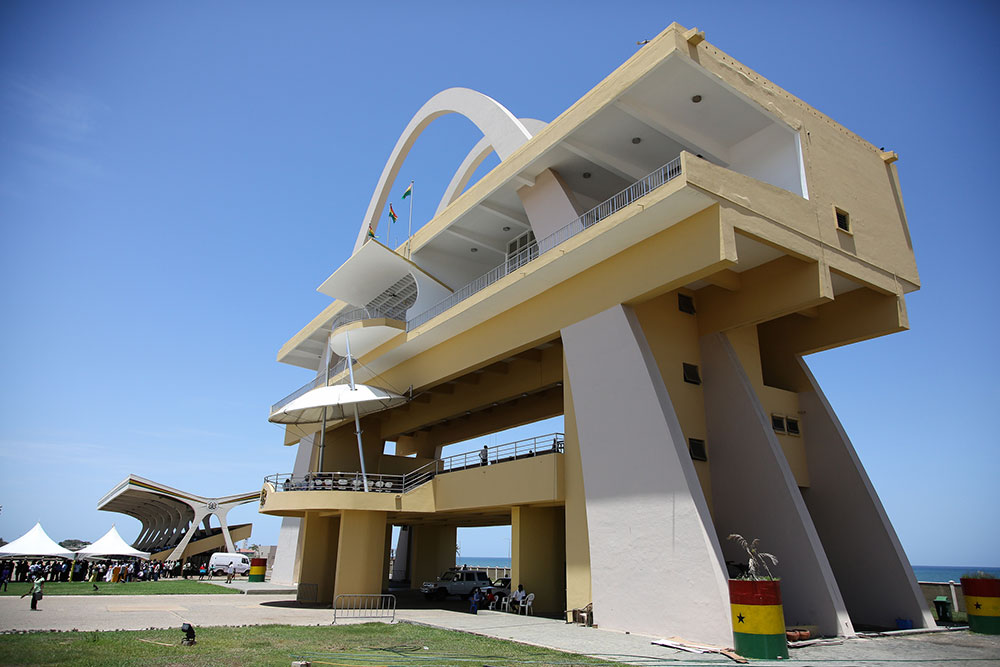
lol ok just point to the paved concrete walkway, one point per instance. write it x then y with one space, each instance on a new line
139 612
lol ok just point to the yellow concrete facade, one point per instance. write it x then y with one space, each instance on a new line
714 270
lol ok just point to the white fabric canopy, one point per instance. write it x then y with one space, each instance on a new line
34 544
338 401
111 544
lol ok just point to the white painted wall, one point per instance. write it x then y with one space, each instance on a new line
656 565
872 569
283 568
754 493
771 155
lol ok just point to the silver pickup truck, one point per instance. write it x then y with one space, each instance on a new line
455 582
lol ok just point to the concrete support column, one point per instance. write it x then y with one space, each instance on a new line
578 593
318 560
221 515
432 551
199 514
846 510
360 557
650 531
400 566
755 493
538 555
283 570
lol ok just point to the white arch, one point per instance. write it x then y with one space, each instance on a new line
505 133
472 161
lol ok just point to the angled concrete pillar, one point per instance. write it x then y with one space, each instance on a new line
755 494
650 532
877 584
283 570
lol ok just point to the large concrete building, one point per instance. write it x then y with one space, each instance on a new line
653 265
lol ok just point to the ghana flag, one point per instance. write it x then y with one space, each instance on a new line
982 604
758 620
392 213
409 191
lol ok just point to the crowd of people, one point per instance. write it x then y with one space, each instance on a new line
94 571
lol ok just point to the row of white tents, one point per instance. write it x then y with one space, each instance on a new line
36 544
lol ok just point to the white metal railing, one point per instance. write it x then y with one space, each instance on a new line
354 481
358 605
640 188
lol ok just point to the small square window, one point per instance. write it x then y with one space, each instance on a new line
697 449
792 426
778 423
843 220
685 303
691 374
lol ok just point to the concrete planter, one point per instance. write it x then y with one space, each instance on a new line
982 604
758 619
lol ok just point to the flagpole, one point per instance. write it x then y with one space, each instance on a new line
409 224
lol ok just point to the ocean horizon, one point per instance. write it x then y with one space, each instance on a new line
921 572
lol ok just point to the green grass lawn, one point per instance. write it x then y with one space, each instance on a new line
171 587
369 644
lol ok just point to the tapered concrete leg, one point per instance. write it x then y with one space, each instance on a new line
319 558
878 586
538 560
283 571
360 559
432 551
655 562
755 494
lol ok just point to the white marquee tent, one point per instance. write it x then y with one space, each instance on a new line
111 544
34 544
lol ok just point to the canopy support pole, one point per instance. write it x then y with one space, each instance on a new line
357 420
326 382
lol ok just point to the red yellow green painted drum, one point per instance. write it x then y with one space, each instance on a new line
982 604
758 620
257 568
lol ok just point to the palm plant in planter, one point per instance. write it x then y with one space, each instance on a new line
755 599
982 602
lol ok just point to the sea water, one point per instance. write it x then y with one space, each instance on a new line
922 572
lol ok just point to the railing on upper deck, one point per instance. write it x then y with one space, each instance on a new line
640 188
353 481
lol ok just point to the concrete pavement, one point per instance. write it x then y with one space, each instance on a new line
139 612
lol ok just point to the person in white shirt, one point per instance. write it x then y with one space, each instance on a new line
517 597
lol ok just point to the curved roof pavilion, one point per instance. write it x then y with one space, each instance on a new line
654 265
170 518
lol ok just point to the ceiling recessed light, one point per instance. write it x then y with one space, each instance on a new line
506 229
696 99
473 249
636 140
586 174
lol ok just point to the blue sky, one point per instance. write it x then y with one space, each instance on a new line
177 178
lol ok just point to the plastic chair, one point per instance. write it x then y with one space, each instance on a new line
505 603
526 605
328 483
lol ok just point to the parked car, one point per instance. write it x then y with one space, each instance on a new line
218 563
499 588
456 582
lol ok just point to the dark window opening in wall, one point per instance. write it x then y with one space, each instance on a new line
843 220
685 303
697 449
792 426
778 423
691 374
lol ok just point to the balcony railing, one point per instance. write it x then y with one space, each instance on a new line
353 481
640 188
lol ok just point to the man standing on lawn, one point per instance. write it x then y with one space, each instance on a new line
230 572
36 592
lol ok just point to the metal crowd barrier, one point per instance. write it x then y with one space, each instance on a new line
364 605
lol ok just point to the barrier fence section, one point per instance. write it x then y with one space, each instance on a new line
358 605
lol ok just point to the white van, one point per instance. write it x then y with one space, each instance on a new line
218 563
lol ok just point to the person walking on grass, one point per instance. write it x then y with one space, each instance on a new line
5 576
36 592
